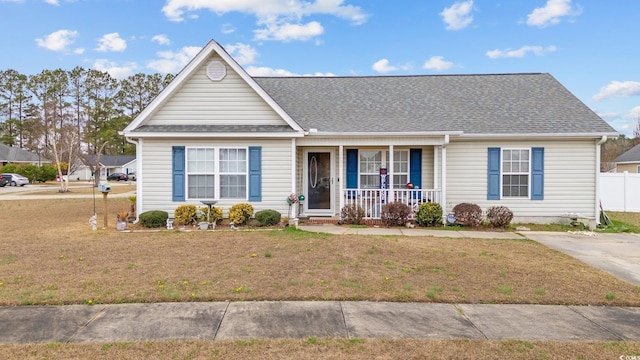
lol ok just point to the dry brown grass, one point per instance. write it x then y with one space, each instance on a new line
314 348
50 256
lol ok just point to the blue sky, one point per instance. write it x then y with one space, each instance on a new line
590 46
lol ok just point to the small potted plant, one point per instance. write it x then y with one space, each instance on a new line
121 220
201 218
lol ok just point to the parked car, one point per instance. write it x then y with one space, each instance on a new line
132 176
4 181
16 179
118 177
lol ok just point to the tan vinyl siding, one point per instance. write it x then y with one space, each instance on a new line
201 101
631 168
157 173
569 178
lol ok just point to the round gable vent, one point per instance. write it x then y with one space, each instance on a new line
216 70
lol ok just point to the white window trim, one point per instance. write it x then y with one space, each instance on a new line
384 161
502 173
216 171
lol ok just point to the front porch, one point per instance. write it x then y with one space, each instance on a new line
372 200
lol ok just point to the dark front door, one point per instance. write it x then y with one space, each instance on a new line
319 181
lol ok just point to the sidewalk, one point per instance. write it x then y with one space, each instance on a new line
304 319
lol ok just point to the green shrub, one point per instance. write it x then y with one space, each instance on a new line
499 216
153 218
352 214
185 214
268 217
429 214
395 213
467 214
240 213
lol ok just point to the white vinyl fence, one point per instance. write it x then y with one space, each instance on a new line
620 191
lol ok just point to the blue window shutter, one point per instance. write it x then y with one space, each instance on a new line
178 173
352 168
493 173
255 173
537 173
415 165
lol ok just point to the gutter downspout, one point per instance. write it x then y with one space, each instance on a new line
443 187
597 198
138 173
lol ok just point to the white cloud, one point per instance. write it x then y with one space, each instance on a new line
161 39
262 9
282 19
228 29
551 13
79 51
266 71
287 32
115 70
244 54
618 89
458 16
172 62
437 63
382 66
52 2
521 52
111 42
58 41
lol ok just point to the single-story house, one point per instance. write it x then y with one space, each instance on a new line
517 140
629 161
16 155
110 163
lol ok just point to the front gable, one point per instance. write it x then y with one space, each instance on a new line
212 94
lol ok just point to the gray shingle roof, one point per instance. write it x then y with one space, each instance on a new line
475 104
17 155
631 155
110 160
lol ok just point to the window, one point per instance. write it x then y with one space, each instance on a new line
515 172
400 169
370 164
372 160
216 173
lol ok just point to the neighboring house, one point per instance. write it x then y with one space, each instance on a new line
518 140
110 163
629 161
15 155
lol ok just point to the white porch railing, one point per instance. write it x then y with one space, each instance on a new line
372 200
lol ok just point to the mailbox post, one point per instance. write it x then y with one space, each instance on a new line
105 188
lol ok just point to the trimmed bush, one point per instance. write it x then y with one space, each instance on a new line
467 214
185 214
216 213
352 214
240 213
429 214
395 213
154 218
268 217
499 216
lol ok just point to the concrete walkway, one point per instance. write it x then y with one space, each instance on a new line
383 231
302 319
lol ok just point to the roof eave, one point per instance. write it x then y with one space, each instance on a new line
541 135
193 135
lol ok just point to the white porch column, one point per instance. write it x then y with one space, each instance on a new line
443 195
340 176
390 168
294 167
436 164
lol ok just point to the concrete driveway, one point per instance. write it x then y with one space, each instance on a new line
617 254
